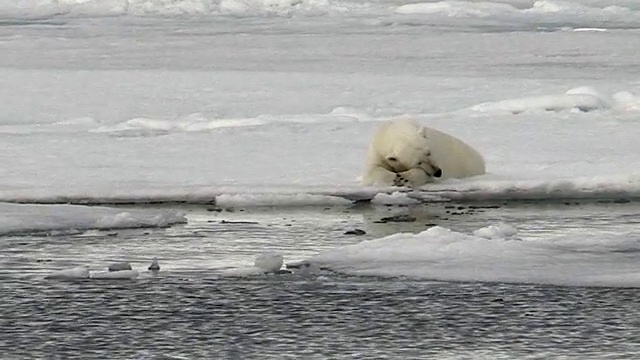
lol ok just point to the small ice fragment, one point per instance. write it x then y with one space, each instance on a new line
269 262
154 265
80 272
119 266
497 231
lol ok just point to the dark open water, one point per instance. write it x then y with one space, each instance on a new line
189 312
290 317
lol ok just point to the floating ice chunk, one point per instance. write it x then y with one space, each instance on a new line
80 272
497 231
154 265
266 263
119 266
115 275
269 262
243 272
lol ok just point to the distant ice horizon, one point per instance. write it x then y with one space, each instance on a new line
516 9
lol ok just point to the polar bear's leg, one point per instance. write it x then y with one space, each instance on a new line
378 175
413 177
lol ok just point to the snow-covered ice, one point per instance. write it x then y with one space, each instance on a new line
75 273
493 254
25 218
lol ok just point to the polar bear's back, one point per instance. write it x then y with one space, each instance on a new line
455 157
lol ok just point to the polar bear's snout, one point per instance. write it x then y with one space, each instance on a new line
431 169
435 171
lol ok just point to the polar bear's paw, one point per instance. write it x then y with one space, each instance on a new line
400 180
412 177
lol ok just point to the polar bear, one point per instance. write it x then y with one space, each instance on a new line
402 153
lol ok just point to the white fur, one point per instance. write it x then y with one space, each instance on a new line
404 153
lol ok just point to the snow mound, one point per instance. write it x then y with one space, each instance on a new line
497 231
582 99
626 101
194 122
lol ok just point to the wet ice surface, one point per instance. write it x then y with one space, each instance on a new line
189 310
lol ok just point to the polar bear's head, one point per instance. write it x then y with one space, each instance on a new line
408 157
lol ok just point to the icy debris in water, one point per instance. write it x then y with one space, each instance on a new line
497 231
307 269
269 262
356 232
304 268
265 263
396 218
115 275
80 272
119 266
154 265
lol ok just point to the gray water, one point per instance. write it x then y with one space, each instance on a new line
189 311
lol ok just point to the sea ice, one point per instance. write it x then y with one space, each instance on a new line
115 275
269 262
119 266
80 272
